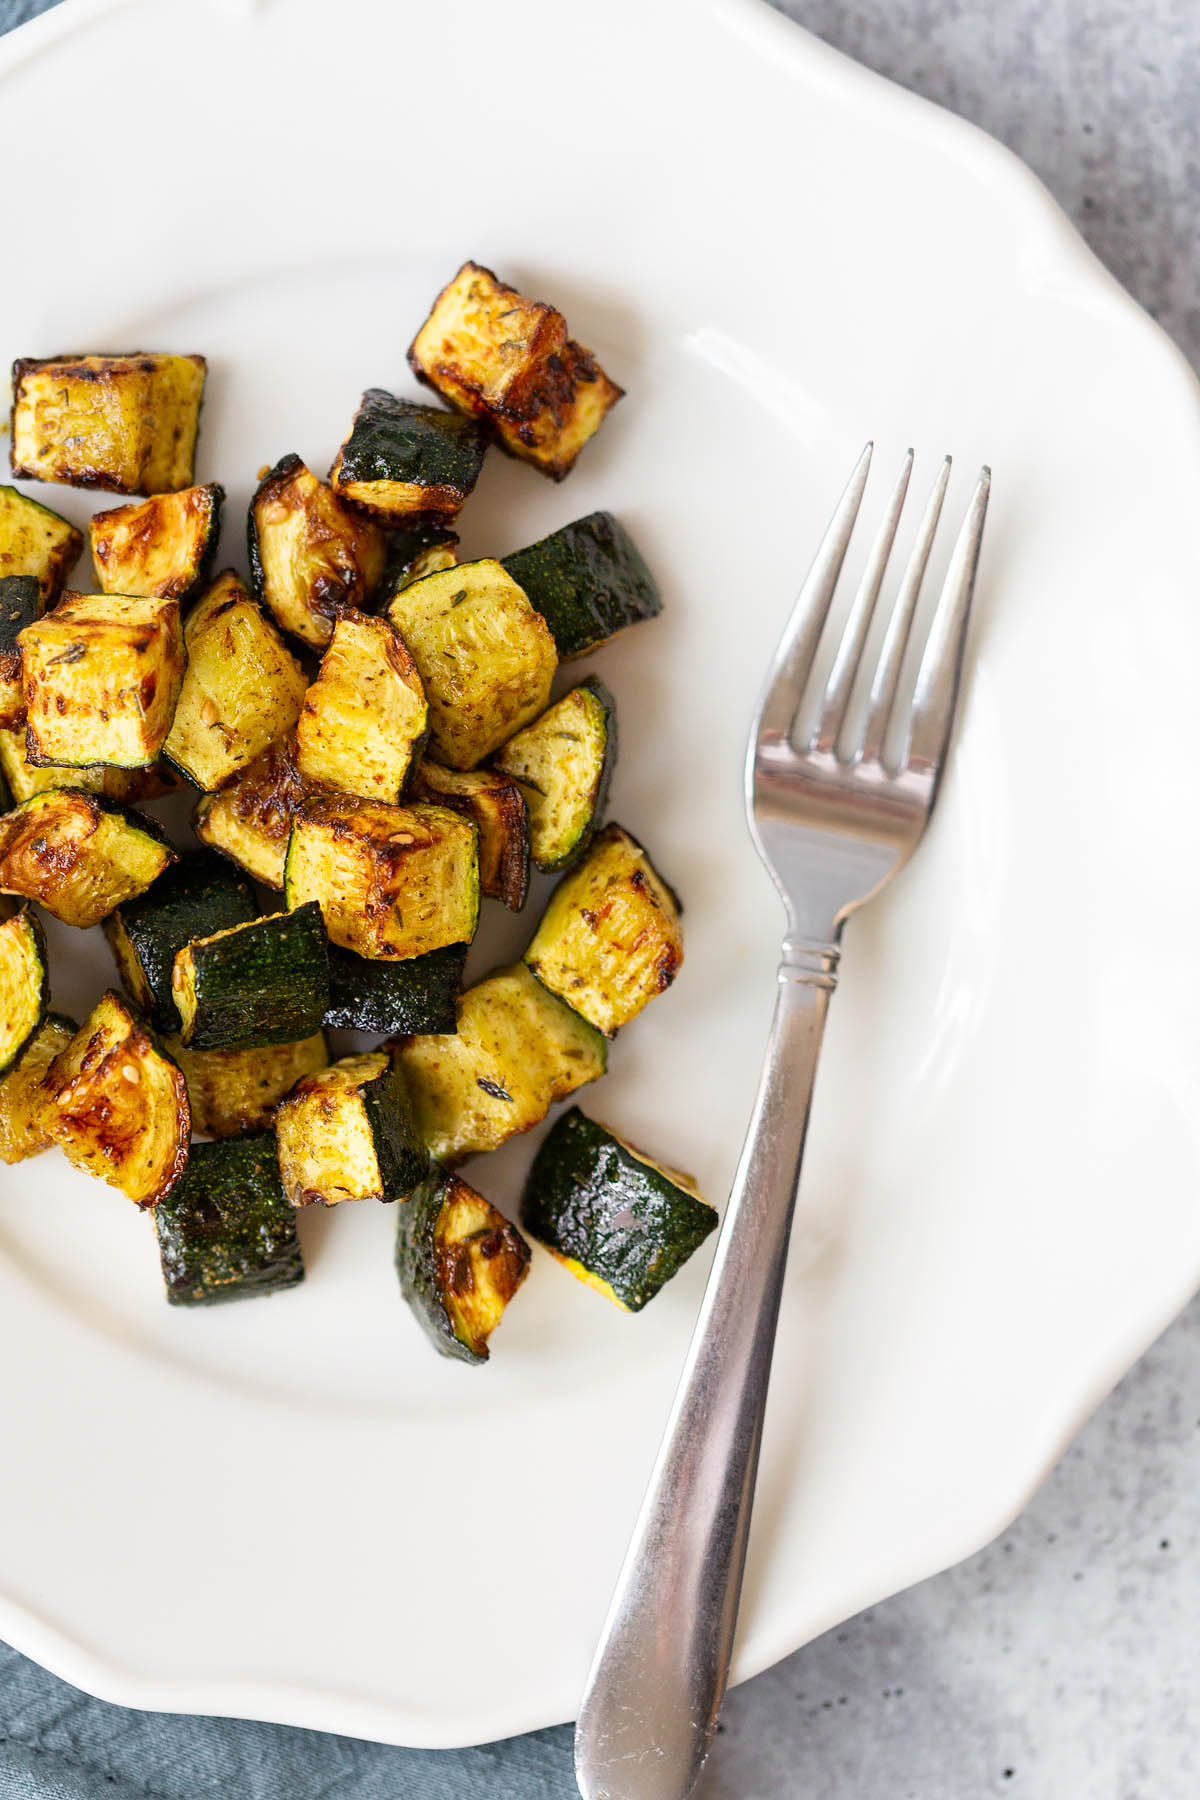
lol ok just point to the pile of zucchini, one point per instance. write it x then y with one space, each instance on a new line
373 732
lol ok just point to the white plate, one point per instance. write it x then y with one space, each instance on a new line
295 1511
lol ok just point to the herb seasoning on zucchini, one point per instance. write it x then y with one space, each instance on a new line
102 673
78 855
404 460
347 1133
200 895
497 806
619 1221
364 718
20 604
22 1096
125 423
35 541
311 557
250 820
265 982
234 1091
226 1232
460 1262
610 939
24 984
564 763
588 580
418 994
160 547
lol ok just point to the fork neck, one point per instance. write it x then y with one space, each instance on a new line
809 961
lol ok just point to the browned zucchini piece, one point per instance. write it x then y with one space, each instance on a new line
35 541
509 360
460 1262
126 423
311 557
20 605
403 460
117 1107
364 718
250 820
497 805
161 547
102 673
242 689
127 786
235 1091
347 1133
22 1095
564 763
78 855
24 984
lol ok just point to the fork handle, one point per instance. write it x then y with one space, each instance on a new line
659 1674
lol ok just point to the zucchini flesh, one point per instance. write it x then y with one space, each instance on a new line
20 605
102 673
509 360
79 856
347 1133
487 659
226 1232
403 460
265 982
126 786
364 718
232 1092
116 1107
161 547
22 1116
618 1220
242 689
497 806
418 994
311 557
24 984
125 423
517 1050
610 938
588 580
198 896
391 881
35 541
459 1262
250 820
564 763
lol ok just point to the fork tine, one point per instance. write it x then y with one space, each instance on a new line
941 662
798 646
891 658
849 651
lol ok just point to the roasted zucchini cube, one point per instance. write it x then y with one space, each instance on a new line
620 1221
489 351
311 556
497 806
517 1050
364 718
588 580
78 855
201 894
127 786
226 1232
125 423
610 938
403 460
35 541
235 1091
161 547
117 1107
460 1262
22 1096
250 820
487 659
564 763
102 673
20 604
418 994
242 689
264 982
24 984
391 881
347 1133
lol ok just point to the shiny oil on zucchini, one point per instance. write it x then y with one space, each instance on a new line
403 460
127 786
508 360
517 1050
497 806
235 1091
35 541
262 982
101 673
241 690
198 895
161 547
250 819
564 763
417 994
609 939
77 855
487 659
588 580
347 1133
391 881
20 604
22 1097
459 1262
311 556
125 423
225 1232
117 1107
24 984
364 718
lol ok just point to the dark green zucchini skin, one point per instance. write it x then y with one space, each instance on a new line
416 1266
406 545
404 441
399 1147
269 984
196 897
225 1231
589 580
20 604
621 1219
410 997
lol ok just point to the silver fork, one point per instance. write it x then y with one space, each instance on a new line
832 823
